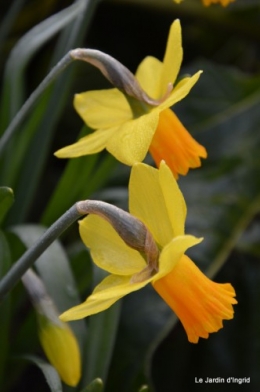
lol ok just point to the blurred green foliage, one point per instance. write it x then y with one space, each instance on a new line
137 342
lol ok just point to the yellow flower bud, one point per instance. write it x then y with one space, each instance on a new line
56 337
61 349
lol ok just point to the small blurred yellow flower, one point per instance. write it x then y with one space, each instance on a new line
222 2
155 199
209 2
128 128
61 349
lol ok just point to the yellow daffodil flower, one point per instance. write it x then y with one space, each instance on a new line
128 128
156 200
224 3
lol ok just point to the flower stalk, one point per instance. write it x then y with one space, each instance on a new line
31 255
132 231
118 75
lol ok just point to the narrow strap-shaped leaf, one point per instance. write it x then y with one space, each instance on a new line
50 374
34 160
95 386
5 262
54 269
7 22
26 48
100 342
6 200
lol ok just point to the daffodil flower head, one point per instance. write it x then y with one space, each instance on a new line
157 202
128 124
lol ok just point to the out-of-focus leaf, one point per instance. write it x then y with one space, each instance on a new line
144 388
5 262
50 374
8 20
25 49
6 200
144 315
43 128
223 197
71 183
54 269
95 386
250 241
82 266
80 179
10 172
100 341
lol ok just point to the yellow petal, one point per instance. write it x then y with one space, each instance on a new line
180 91
62 350
173 252
172 58
90 144
102 109
87 308
174 200
131 143
200 304
146 202
149 76
117 286
108 250
110 290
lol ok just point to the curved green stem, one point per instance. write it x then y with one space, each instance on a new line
30 256
62 64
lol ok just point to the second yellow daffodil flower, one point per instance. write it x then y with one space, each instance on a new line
129 131
156 200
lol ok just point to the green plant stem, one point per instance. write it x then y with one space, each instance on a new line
10 130
30 256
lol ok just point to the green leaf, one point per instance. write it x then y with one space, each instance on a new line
144 316
144 388
100 342
5 262
95 386
8 20
33 158
249 242
78 187
26 48
54 268
50 374
6 200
